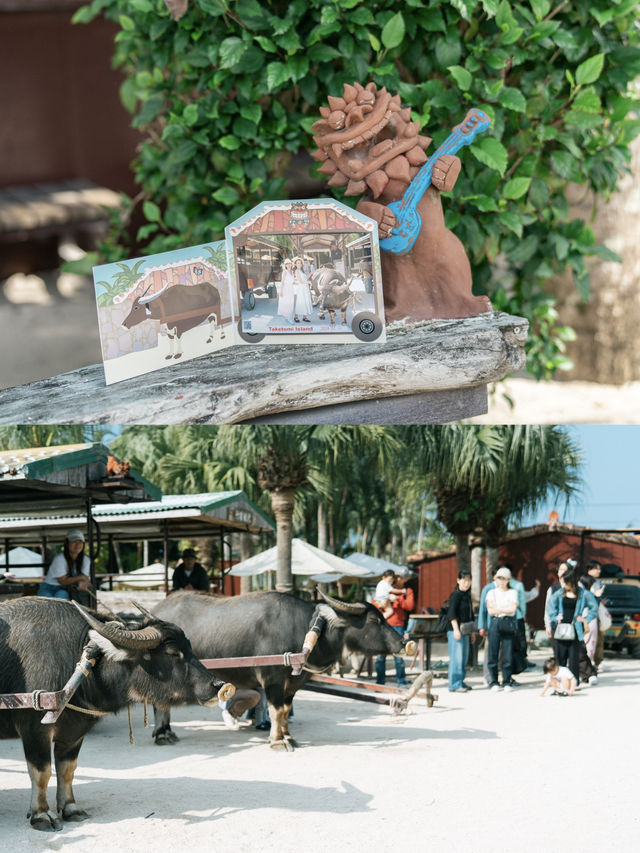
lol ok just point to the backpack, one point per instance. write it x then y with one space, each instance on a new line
443 624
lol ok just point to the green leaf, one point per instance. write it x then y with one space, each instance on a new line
607 254
277 74
374 42
524 250
231 51
128 95
190 114
491 152
393 31
490 7
587 101
465 7
590 70
540 8
461 76
226 195
252 112
231 143
266 44
516 187
565 165
512 99
151 211
448 51
512 221
151 109
127 23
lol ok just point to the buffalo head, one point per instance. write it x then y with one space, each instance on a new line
161 665
366 629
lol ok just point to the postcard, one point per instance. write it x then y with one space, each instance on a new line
163 308
306 272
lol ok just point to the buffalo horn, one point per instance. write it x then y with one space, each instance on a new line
144 300
143 638
341 605
142 609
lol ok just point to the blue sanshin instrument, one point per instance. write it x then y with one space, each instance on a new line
409 224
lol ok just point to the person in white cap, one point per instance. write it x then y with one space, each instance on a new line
68 570
502 603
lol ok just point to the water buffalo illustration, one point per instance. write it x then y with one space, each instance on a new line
179 308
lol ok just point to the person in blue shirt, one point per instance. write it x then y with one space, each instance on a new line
575 606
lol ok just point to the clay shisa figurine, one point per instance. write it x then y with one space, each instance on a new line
368 144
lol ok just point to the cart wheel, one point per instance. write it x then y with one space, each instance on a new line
366 326
249 300
250 337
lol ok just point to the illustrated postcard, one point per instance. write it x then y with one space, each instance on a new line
156 310
306 272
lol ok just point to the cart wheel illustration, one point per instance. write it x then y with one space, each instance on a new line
366 326
249 337
249 300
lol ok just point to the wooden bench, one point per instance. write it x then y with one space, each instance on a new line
34 219
431 372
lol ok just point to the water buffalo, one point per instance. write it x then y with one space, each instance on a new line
332 294
268 623
41 640
179 308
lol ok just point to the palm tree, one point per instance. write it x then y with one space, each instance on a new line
459 464
481 477
278 455
537 460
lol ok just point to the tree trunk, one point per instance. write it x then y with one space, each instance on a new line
463 556
282 503
245 547
492 559
403 553
476 573
323 535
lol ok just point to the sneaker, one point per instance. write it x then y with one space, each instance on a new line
495 688
230 721
508 688
513 683
467 686
593 680
263 727
462 689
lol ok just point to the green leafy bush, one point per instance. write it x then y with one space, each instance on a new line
228 93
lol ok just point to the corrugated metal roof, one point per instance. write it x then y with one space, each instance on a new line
46 464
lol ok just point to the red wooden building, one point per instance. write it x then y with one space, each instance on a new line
533 553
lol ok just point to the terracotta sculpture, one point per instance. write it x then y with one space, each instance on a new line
368 144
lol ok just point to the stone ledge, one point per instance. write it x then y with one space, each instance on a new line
258 381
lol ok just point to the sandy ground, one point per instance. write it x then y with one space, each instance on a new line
479 772
50 331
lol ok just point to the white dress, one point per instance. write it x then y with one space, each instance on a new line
286 296
304 305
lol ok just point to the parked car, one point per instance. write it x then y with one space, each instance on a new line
622 599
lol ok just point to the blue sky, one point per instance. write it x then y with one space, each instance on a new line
611 473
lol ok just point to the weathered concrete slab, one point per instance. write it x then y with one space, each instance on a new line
261 381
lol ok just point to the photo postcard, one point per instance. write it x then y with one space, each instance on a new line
157 310
306 272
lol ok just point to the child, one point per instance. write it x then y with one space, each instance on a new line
560 678
386 593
